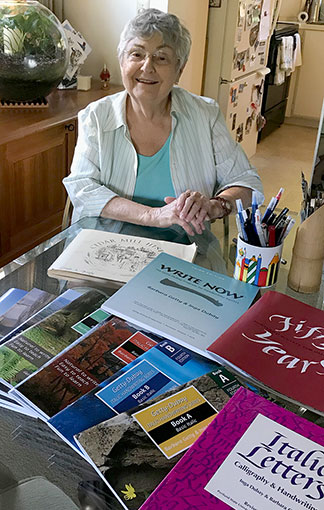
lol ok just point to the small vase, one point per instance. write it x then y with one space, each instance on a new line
33 50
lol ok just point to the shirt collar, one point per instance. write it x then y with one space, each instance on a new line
178 104
117 115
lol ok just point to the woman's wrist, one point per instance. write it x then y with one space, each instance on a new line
221 207
150 216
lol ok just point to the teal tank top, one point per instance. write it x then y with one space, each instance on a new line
153 181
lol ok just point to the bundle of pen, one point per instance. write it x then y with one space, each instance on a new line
268 230
260 241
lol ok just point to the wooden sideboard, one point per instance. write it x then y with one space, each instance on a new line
36 150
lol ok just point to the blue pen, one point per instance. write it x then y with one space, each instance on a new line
269 210
254 205
242 217
272 205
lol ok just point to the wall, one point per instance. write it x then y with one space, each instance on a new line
100 22
290 9
194 15
306 89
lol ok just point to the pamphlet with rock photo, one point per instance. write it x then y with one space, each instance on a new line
135 450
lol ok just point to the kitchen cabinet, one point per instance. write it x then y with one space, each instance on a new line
36 150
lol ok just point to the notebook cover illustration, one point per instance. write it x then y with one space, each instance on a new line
96 254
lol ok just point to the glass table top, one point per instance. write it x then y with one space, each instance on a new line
30 450
30 270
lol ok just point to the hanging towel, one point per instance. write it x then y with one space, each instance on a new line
280 75
297 58
286 54
285 62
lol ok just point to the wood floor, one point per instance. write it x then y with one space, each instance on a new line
281 157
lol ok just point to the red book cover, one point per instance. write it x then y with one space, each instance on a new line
280 342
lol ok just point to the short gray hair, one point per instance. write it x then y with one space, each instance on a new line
150 21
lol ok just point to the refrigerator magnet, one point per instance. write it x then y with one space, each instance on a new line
248 125
239 133
233 94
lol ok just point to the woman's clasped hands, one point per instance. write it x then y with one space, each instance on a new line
190 210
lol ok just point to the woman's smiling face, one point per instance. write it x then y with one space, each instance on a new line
149 69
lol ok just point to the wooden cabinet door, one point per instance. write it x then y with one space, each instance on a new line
31 189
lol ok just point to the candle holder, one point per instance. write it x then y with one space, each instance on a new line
105 77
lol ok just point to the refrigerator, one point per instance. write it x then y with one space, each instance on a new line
238 37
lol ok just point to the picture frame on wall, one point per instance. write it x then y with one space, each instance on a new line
215 3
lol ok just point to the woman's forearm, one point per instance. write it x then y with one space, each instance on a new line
122 209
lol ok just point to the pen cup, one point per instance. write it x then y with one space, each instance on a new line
257 265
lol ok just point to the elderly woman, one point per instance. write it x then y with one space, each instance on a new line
155 154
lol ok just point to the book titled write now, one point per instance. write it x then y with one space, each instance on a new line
253 456
181 301
279 342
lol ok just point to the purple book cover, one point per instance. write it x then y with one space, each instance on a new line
254 455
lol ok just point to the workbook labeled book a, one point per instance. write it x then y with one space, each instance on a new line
254 455
136 449
184 302
279 342
98 255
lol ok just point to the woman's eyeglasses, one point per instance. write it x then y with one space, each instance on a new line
159 58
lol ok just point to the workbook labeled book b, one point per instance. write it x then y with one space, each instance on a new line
181 301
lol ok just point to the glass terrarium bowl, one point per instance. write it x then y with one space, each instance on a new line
33 50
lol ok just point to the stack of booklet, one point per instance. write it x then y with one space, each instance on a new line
181 390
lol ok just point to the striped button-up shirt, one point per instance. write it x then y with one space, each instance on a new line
203 156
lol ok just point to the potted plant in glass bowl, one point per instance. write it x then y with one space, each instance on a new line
33 50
